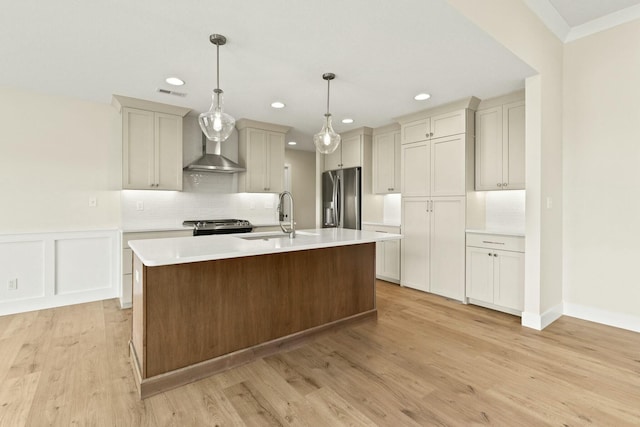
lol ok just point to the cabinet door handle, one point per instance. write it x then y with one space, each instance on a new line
493 243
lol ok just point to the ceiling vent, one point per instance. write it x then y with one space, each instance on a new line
171 92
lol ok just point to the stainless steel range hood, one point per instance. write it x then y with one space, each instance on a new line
213 162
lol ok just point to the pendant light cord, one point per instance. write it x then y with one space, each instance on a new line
328 84
217 66
218 72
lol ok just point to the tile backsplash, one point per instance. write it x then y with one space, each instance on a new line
204 196
505 210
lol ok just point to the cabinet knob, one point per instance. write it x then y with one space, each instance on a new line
504 184
495 255
431 134
489 254
499 185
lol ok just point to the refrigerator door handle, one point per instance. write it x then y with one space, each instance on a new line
338 202
357 207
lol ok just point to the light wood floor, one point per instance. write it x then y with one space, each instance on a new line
426 361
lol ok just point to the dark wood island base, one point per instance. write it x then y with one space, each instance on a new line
193 320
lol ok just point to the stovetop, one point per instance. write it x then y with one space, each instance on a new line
218 226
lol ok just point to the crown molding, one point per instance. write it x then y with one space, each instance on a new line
604 23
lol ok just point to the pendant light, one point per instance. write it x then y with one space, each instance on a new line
216 124
327 140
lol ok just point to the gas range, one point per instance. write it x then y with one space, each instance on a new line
204 227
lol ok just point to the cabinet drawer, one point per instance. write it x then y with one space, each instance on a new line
381 228
496 241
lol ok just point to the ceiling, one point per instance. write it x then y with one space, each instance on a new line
277 50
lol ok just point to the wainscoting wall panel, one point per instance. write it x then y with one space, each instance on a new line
45 270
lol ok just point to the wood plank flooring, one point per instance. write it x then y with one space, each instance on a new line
425 361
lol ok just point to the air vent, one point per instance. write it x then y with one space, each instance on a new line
171 92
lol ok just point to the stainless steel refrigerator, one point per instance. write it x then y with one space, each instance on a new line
341 199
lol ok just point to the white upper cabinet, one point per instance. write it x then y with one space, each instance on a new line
416 170
351 151
261 152
436 126
386 160
513 131
500 144
434 168
151 144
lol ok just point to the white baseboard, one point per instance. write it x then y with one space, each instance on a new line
44 303
618 320
541 321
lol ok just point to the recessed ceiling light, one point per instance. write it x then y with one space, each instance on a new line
347 121
277 104
422 97
174 81
292 143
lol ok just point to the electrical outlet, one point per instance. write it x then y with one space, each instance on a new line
139 205
13 284
93 202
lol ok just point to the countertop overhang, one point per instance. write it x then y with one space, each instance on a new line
181 250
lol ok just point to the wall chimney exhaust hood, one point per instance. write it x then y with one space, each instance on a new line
213 162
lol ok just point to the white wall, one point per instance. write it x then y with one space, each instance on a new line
602 176
303 186
56 153
516 27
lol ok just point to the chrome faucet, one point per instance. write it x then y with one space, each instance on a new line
292 229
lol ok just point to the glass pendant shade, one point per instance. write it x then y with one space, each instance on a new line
327 140
216 124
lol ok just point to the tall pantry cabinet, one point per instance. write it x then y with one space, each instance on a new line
437 157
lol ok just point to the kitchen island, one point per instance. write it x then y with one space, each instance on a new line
203 304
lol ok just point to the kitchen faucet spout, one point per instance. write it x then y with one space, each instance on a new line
291 231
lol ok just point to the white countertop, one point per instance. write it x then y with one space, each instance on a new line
181 250
517 233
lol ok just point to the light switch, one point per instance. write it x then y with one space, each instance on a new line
549 203
139 205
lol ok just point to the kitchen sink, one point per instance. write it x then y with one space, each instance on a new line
267 237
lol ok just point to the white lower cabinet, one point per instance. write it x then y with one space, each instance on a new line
495 272
387 254
432 248
127 258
